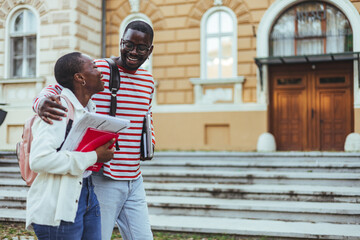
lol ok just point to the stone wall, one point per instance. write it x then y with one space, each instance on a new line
176 55
63 26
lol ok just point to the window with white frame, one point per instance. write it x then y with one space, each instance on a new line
218 58
23 34
219 44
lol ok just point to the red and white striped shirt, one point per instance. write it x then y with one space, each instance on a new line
133 101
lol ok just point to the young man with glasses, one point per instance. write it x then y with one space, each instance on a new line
119 185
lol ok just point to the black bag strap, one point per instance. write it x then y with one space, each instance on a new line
70 119
114 86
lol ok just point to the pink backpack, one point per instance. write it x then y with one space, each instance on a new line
23 147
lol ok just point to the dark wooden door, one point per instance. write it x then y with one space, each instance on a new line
311 106
289 110
334 109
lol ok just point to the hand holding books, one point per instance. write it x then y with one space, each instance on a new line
100 141
104 153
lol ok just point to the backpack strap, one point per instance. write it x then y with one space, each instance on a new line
70 114
114 86
70 118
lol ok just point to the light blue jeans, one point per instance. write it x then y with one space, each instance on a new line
123 202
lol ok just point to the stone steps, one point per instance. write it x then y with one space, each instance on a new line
355 168
311 195
238 226
234 177
256 192
10 172
8 162
249 227
13 198
297 161
300 162
345 213
12 184
257 165
253 157
12 215
251 177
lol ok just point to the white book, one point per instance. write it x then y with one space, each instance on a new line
93 120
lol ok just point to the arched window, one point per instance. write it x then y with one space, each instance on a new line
23 31
311 28
218 39
137 16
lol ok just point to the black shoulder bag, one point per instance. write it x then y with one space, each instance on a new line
114 86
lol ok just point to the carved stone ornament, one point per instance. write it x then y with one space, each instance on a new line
135 5
218 2
19 2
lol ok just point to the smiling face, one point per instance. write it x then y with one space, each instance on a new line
133 59
91 75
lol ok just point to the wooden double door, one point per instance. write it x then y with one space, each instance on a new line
311 105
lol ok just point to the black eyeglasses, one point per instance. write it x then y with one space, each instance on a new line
141 49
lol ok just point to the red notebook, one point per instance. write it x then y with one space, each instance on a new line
92 139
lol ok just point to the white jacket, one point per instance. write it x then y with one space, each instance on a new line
55 192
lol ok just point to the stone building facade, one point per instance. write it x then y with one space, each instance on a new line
219 79
59 27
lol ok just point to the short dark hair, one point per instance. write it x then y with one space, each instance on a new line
66 67
142 27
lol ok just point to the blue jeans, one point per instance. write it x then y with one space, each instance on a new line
87 224
123 202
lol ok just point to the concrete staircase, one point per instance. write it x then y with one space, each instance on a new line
309 195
